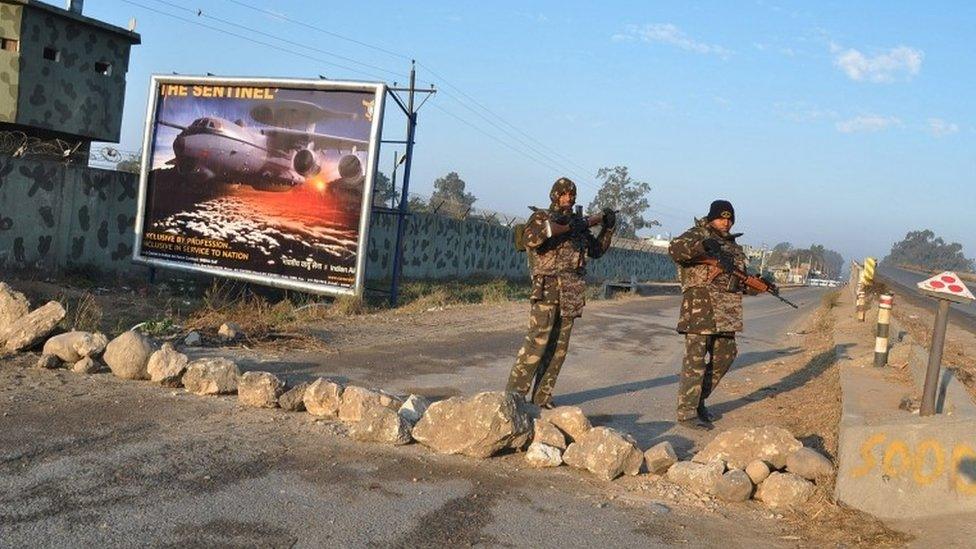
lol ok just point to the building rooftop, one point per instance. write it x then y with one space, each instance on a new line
132 37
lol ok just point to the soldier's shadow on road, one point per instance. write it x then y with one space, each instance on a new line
743 361
813 368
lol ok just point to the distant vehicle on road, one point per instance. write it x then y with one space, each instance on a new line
827 283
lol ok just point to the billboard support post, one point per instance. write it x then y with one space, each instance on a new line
402 210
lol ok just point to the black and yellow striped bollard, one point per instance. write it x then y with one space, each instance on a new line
884 325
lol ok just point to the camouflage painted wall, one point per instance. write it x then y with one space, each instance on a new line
83 102
437 247
54 215
9 62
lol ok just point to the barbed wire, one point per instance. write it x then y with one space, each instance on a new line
18 144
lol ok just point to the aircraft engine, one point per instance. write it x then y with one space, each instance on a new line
306 163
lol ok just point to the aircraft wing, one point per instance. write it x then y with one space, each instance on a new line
170 124
286 138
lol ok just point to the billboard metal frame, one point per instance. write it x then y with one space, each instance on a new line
379 90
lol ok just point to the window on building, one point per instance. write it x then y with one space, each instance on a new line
52 54
9 44
101 67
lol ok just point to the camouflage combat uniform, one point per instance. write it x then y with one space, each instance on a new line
558 267
711 314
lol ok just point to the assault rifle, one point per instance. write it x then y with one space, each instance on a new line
758 284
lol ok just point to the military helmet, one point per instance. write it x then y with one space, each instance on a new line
562 185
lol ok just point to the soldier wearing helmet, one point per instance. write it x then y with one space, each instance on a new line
558 244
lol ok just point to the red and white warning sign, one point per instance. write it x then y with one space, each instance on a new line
946 285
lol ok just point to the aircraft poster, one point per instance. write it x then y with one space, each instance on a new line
261 180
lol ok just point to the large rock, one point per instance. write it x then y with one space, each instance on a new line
73 346
413 408
809 464
758 471
660 457
605 452
546 433
356 400
697 477
293 399
733 486
211 376
543 455
87 365
28 330
193 339
739 447
259 389
167 365
13 305
229 331
784 491
569 419
479 426
322 398
381 424
128 355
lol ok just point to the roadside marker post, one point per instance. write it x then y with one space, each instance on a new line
866 279
884 325
947 288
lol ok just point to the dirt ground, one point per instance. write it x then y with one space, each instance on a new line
799 391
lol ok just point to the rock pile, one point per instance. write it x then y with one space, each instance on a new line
767 463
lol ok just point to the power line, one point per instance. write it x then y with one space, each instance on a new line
461 92
319 29
541 161
267 44
202 13
486 109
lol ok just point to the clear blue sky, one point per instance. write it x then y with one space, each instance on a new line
839 123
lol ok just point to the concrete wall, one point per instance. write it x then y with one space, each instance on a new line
54 215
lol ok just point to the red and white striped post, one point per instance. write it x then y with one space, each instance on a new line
884 324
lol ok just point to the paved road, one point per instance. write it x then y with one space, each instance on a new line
96 461
904 284
622 368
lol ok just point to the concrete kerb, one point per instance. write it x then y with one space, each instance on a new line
893 463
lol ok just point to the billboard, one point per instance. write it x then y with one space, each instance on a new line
261 180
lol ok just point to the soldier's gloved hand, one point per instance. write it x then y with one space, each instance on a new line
578 225
609 218
712 246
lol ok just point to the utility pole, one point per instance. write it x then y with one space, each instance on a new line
404 198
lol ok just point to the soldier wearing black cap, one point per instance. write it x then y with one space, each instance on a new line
711 309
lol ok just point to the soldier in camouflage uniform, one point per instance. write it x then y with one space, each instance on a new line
711 311
558 246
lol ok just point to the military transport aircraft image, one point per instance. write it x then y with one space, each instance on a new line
282 153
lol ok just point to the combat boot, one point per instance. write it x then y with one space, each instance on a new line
704 414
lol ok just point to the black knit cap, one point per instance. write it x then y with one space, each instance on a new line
721 209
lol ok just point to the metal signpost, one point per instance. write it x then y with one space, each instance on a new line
947 288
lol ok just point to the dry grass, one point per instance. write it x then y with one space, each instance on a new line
82 312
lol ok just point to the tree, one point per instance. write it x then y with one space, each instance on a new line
383 190
449 197
924 249
780 253
625 194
